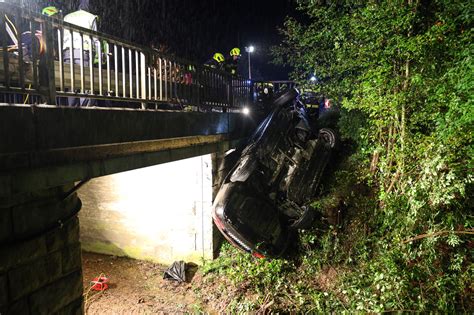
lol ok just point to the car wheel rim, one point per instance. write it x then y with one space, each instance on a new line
328 137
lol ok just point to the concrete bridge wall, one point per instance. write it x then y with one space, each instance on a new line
160 213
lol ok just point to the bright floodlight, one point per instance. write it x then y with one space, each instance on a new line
250 49
312 79
246 111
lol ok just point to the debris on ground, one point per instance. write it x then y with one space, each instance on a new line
137 287
100 283
177 271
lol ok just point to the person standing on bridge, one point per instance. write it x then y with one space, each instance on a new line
87 20
216 62
26 38
232 63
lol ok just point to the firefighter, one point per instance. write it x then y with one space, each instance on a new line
217 61
83 19
26 38
232 62
48 11
87 20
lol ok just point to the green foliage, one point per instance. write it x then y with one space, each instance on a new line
403 75
260 275
358 264
403 72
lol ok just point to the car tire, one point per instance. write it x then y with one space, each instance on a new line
329 137
305 220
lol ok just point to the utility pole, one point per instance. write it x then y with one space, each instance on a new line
250 49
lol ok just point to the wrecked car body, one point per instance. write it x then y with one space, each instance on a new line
265 196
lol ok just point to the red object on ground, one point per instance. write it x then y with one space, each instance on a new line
258 255
100 283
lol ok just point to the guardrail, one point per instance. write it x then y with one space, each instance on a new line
275 86
123 71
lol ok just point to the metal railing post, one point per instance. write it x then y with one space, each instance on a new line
21 66
81 62
107 64
143 80
6 62
60 57
116 71
231 92
34 55
99 56
161 79
91 65
124 77
137 75
47 84
71 61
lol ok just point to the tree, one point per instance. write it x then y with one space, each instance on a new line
403 74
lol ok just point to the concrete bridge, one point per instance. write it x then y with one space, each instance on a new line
49 151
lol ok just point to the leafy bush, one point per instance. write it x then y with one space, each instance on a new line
403 75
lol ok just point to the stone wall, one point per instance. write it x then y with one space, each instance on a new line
40 253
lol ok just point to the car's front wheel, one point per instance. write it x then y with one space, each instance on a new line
305 220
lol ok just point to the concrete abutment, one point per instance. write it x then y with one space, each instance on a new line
160 213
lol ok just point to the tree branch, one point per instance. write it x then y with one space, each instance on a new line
439 233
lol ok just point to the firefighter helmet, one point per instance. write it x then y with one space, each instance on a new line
235 52
218 57
50 11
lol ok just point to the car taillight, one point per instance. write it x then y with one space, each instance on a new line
219 224
257 255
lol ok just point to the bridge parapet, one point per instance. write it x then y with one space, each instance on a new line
125 72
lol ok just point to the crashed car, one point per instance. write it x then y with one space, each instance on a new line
265 196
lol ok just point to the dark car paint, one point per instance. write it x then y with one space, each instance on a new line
267 189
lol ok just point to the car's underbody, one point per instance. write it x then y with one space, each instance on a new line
265 196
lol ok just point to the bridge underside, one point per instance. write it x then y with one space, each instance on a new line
46 146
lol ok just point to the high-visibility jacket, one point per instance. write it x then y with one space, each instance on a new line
83 19
231 65
214 64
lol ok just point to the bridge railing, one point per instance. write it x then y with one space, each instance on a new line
103 67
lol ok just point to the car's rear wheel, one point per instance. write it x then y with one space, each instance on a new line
328 136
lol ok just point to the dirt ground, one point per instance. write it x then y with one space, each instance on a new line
136 287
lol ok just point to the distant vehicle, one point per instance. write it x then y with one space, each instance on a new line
265 196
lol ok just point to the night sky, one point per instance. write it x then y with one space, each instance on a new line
196 29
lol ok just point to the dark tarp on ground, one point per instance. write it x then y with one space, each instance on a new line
177 271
